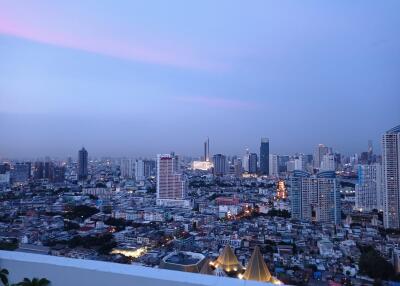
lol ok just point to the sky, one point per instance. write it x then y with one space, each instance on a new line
137 78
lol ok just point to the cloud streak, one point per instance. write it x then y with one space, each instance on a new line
216 102
106 46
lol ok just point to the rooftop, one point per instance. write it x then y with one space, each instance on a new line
98 273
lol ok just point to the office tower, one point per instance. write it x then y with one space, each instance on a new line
328 163
237 165
48 170
207 150
282 163
21 172
171 186
245 161
126 168
369 187
253 162
273 165
319 153
220 165
82 164
58 174
38 171
264 156
315 198
391 177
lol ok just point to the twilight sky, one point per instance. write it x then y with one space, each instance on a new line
137 78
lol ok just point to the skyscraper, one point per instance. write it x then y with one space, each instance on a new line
273 165
171 186
21 172
245 161
391 177
328 163
220 165
369 187
315 198
253 162
126 168
319 153
207 150
82 164
264 157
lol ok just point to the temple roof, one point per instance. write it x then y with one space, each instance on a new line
257 269
206 269
227 260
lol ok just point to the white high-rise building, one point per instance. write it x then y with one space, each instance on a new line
369 188
139 170
171 187
319 153
391 177
300 163
126 168
273 165
315 198
328 162
245 162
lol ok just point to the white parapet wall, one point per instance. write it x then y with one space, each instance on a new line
62 271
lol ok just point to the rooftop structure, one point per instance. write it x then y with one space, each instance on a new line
63 271
228 261
257 269
183 261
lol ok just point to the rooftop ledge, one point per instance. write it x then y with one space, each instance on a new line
62 271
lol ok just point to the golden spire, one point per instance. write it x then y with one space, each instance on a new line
227 260
257 269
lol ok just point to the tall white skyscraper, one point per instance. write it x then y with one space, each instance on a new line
319 153
328 162
391 177
369 188
171 187
245 161
126 168
273 165
139 170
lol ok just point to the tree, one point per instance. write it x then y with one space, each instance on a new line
34 282
375 266
4 276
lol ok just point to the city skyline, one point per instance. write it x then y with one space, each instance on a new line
132 79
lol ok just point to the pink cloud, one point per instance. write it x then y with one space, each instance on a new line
105 46
216 102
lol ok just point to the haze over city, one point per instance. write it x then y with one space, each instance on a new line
139 78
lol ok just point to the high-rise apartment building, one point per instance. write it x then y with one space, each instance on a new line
220 165
391 177
126 168
319 153
171 186
315 198
264 157
368 189
82 164
273 165
328 162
